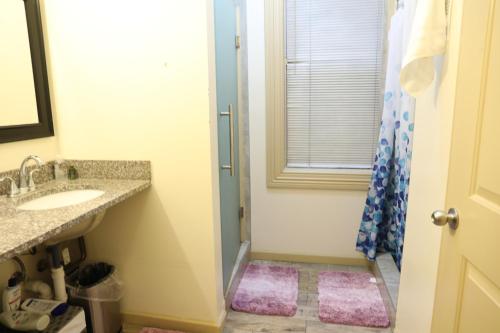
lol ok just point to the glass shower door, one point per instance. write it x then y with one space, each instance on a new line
227 122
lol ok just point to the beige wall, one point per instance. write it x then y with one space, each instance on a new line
309 222
131 81
13 153
434 113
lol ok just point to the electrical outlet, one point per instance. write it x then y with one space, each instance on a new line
66 257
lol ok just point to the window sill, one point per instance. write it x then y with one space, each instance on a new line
323 179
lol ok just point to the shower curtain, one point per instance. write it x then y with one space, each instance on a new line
383 222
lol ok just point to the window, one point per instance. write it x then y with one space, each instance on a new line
325 77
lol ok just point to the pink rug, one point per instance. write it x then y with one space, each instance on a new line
350 298
156 330
268 290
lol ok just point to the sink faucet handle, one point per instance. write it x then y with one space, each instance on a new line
31 181
14 190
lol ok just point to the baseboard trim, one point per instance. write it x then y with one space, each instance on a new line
309 259
173 323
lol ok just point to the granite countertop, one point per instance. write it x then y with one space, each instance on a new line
21 230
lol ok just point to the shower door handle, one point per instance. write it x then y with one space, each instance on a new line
230 115
441 218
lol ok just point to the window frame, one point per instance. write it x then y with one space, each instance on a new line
279 175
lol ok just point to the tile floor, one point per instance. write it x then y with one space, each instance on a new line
306 319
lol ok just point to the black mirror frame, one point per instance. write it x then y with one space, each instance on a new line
44 127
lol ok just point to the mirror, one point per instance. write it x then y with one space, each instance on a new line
25 111
17 93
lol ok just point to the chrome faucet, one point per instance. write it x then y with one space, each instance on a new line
26 182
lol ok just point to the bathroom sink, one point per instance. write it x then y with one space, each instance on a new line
61 199
65 199
84 227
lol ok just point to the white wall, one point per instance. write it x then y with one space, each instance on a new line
291 221
432 137
132 80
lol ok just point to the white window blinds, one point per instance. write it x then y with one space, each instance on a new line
334 88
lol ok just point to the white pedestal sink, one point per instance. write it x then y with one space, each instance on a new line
65 199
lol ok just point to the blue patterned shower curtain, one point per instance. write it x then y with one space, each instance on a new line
383 223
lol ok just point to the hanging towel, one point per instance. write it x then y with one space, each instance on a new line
427 39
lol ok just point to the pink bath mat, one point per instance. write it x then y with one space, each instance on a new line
350 298
156 330
268 290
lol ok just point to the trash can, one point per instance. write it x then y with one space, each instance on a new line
97 289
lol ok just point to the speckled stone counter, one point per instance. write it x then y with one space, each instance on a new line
20 230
